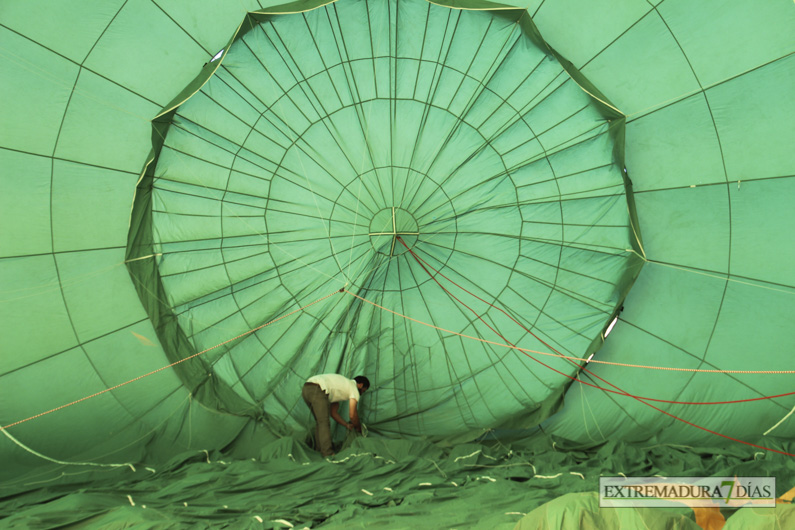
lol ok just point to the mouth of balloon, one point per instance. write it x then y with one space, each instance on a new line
367 145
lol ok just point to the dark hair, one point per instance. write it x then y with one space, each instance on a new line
363 380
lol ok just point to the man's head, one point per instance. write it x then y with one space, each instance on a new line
362 383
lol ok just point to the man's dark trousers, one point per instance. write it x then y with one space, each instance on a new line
318 403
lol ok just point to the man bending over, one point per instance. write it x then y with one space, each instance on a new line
323 393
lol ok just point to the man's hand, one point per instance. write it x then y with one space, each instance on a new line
354 423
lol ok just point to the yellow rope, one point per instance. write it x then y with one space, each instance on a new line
169 366
526 350
569 357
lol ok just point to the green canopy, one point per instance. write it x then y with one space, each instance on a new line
206 203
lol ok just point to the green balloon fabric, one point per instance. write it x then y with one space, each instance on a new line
206 203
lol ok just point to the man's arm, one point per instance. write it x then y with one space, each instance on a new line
354 415
335 413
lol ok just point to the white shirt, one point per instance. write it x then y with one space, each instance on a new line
338 387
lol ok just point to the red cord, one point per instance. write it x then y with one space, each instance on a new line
618 390
563 357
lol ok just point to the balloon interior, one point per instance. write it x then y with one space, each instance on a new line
556 237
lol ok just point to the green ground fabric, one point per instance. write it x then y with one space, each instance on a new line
182 178
394 484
